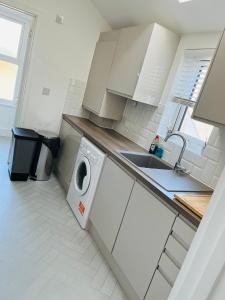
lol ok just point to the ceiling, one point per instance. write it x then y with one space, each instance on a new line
189 17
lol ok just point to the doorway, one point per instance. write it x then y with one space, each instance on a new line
15 28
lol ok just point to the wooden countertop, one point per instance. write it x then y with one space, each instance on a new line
111 142
107 139
197 203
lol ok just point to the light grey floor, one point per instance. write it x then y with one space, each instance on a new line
43 252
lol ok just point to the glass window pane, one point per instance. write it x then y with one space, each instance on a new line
8 75
194 128
10 37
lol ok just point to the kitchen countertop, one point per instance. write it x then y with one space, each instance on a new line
111 142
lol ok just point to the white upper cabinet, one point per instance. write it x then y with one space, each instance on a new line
96 98
142 62
210 107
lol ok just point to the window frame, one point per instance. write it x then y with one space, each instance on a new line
195 145
25 22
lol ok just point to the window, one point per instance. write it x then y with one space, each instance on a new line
189 126
14 32
10 33
186 91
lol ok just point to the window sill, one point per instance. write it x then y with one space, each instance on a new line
11 105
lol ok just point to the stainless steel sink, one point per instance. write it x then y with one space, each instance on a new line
143 160
163 174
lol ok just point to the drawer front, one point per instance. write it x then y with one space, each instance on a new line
168 268
183 232
159 288
176 251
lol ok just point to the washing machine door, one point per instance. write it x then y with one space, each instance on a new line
82 176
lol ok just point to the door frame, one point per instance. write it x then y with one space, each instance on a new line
29 29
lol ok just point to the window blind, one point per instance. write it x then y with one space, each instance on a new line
189 81
199 80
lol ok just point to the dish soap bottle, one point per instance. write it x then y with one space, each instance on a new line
154 145
159 151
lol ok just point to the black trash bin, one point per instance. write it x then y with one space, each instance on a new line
45 154
21 154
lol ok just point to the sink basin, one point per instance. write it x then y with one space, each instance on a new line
143 160
163 174
173 182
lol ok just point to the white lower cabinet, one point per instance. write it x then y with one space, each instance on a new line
145 241
168 267
70 144
142 237
183 232
171 260
160 288
175 250
110 202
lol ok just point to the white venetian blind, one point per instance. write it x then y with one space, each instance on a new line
199 80
191 76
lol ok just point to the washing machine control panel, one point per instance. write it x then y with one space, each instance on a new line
93 158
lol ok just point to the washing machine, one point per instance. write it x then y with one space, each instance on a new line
88 167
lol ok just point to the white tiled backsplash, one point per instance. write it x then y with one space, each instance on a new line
74 98
140 124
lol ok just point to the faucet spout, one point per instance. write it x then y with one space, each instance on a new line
177 166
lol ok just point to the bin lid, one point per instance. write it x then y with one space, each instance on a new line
25 134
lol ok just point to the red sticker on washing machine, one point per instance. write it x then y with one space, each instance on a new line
81 208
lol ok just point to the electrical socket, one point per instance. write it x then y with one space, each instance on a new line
46 91
59 19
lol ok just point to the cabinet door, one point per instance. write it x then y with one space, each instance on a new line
210 106
100 68
128 60
70 144
110 202
142 238
157 63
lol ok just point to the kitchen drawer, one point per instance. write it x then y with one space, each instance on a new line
175 250
168 268
183 232
159 288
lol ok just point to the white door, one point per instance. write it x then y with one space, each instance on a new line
15 28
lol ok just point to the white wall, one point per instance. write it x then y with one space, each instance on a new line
7 117
141 123
60 52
